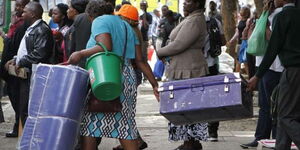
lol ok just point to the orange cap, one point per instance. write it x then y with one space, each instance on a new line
129 12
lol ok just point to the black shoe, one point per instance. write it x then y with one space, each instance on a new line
12 134
141 146
213 139
250 145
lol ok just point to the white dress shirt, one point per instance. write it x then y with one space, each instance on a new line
22 51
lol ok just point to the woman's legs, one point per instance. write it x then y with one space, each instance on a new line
90 143
129 144
192 143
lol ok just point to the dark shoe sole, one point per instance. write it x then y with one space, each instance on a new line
141 147
11 135
246 147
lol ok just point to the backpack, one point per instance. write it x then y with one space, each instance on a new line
214 37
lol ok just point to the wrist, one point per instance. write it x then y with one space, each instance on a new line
155 85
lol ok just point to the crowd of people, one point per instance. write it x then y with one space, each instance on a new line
188 46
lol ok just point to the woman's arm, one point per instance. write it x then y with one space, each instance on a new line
235 36
145 68
104 38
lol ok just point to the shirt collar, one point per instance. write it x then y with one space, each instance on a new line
289 4
196 12
34 24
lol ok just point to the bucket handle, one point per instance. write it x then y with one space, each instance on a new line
103 46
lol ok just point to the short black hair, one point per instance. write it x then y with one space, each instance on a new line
36 8
25 2
118 7
98 8
63 8
79 5
126 2
212 2
165 6
201 3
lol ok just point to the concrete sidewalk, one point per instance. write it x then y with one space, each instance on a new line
153 128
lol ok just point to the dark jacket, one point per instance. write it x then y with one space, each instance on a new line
80 35
10 49
39 44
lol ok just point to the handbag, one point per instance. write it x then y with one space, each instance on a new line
159 69
257 43
243 52
95 105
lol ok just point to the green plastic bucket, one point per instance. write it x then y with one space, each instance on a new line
105 74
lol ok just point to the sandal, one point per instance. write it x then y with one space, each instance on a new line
180 147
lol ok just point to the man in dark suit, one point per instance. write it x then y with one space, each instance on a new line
285 43
11 46
36 47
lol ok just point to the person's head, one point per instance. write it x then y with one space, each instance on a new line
76 7
59 15
98 8
212 6
130 14
32 12
192 5
144 5
118 7
170 16
50 12
245 12
13 17
125 2
164 10
156 13
20 4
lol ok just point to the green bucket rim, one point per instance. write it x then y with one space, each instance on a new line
100 53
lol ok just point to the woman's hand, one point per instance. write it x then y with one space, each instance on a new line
75 58
156 93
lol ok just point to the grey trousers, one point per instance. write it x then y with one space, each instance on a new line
288 124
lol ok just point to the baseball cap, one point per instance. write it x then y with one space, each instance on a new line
128 11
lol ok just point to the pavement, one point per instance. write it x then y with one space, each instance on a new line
153 127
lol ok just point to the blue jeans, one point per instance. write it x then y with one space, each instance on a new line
265 89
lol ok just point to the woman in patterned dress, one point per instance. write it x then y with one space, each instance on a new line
110 30
186 60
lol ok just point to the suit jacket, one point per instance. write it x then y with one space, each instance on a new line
39 44
186 48
80 35
10 49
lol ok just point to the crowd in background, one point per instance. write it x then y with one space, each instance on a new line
184 45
